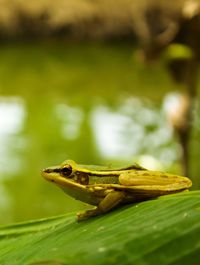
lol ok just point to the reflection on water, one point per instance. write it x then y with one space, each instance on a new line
126 131
12 113
71 119
76 107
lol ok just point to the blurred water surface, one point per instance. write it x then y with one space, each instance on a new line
93 103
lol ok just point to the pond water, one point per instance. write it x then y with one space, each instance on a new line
93 103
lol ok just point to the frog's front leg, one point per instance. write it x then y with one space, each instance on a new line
111 200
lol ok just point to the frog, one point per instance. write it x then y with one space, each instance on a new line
107 188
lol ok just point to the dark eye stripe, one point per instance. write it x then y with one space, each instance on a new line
57 170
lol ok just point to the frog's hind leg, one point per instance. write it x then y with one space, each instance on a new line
111 200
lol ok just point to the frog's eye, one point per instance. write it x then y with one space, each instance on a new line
66 171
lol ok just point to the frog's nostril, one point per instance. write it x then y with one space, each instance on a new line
47 170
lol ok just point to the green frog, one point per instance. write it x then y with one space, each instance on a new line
108 188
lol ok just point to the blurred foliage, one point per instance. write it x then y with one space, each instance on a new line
65 96
59 100
85 18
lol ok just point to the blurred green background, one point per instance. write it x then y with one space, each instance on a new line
92 101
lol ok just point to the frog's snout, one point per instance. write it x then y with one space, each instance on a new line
46 170
46 173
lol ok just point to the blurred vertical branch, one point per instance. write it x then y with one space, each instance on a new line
174 27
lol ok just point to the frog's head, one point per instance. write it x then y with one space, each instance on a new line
67 172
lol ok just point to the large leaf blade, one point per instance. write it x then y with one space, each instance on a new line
161 231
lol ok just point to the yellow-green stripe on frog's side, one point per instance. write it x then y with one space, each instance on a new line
90 176
107 188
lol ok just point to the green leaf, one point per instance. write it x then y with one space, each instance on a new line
161 231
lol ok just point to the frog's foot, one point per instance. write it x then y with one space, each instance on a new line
113 199
89 213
